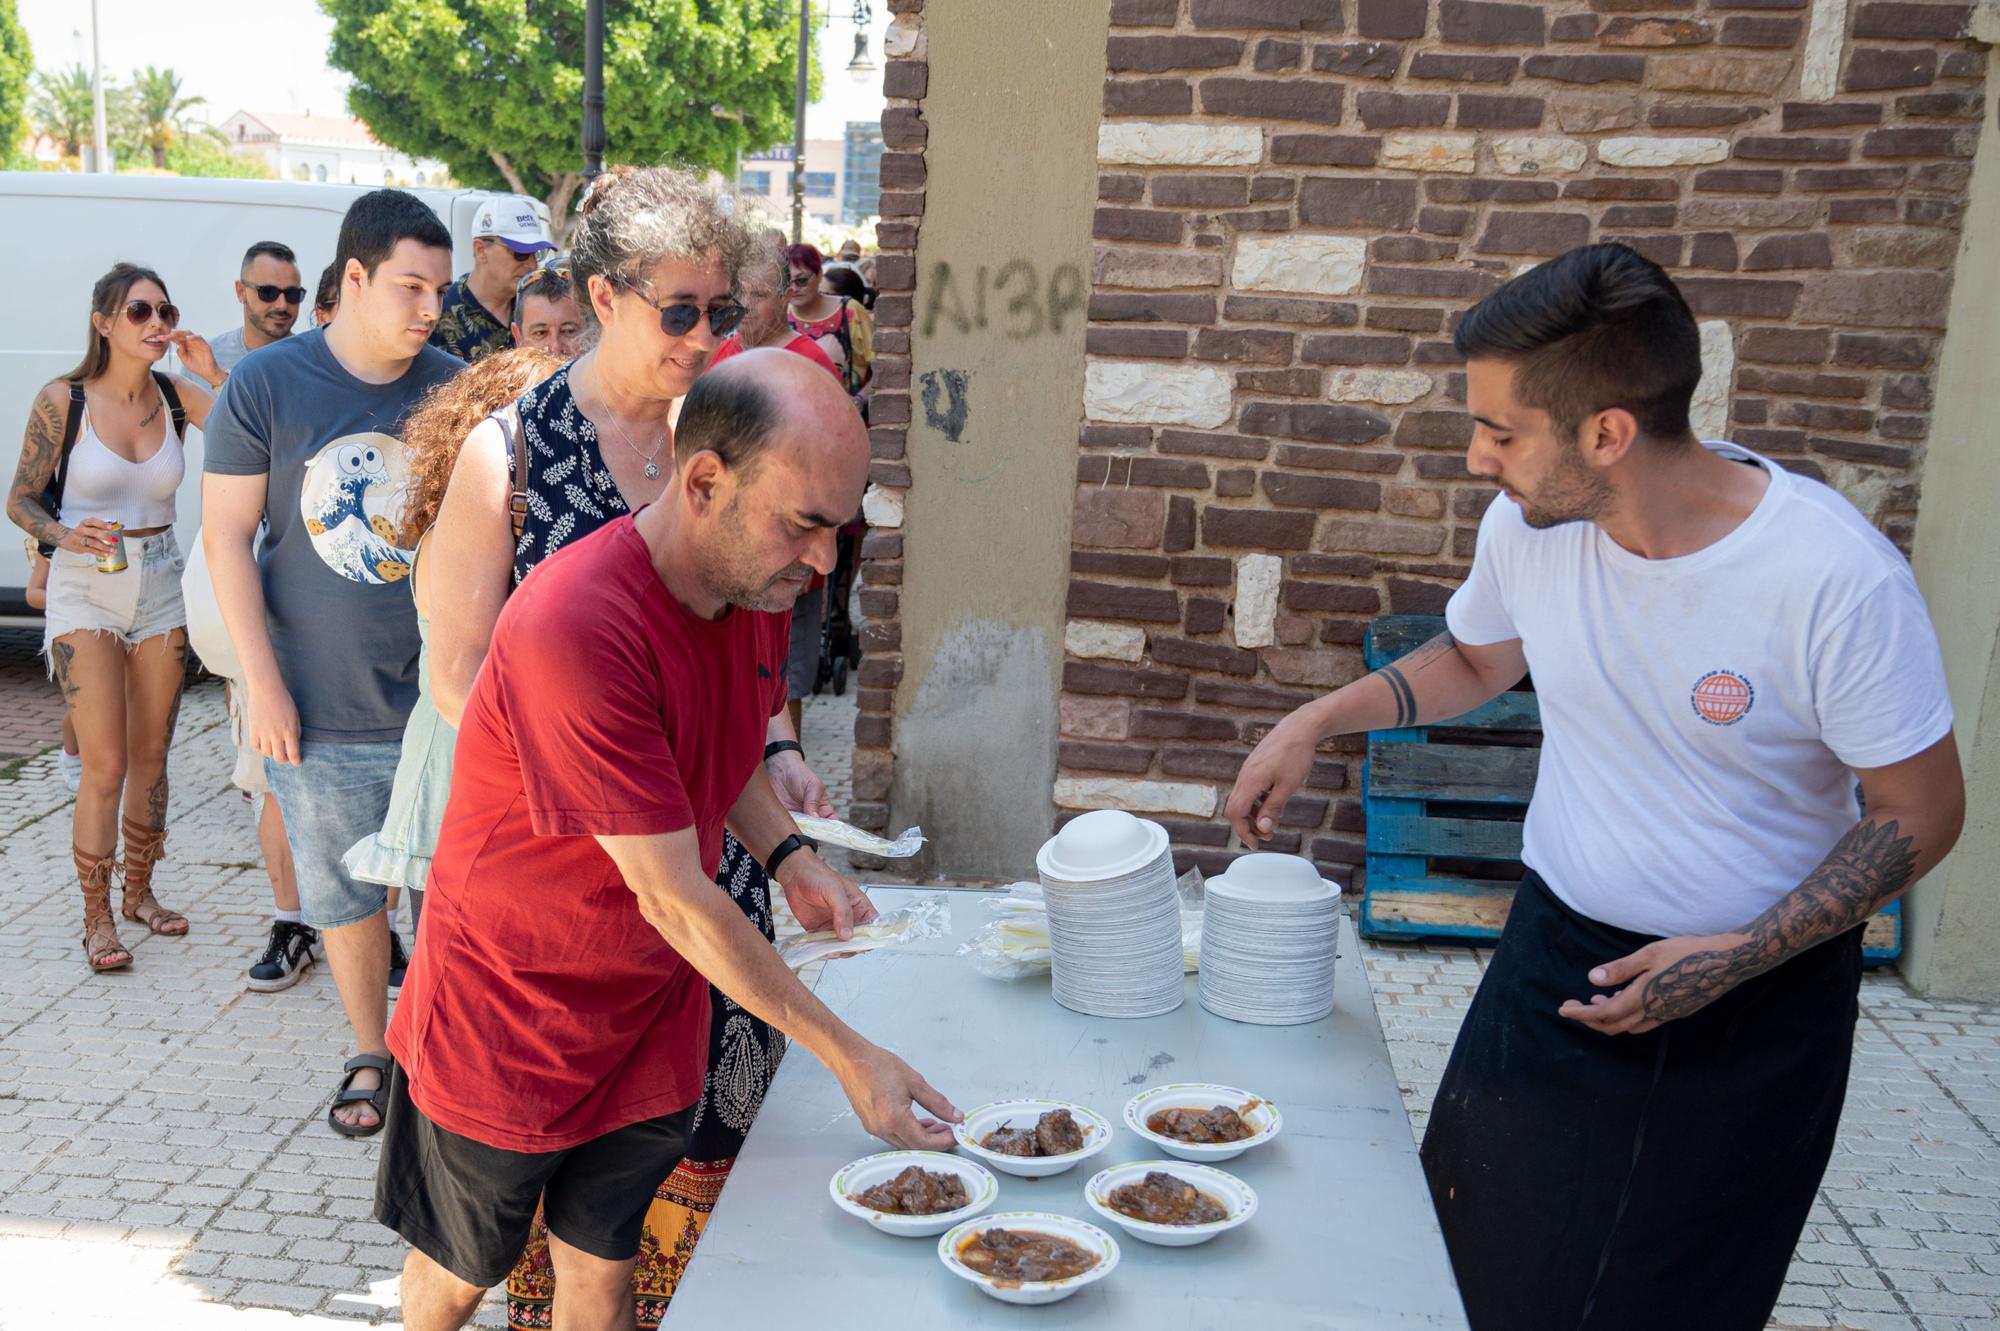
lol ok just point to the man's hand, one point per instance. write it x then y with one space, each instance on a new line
799 790
881 1086
1278 766
273 722
821 898
1672 978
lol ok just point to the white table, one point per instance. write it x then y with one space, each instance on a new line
1345 1235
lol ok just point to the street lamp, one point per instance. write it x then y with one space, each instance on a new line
860 69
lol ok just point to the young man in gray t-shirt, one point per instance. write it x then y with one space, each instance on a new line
306 435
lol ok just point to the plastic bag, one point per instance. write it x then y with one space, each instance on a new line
831 832
927 917
1015 942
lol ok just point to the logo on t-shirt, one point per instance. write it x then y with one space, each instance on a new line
353 491
1722 697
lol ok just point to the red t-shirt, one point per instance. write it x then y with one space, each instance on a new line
541 1009
803 345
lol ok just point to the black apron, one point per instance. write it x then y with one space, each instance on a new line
1590 1182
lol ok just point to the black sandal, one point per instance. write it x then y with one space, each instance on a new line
377 1099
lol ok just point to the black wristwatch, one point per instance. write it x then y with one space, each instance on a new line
778 746
783 851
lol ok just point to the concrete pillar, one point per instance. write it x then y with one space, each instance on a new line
1952 925
997 371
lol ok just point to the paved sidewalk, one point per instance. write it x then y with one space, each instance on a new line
164 1159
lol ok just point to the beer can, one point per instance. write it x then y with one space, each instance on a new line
113 560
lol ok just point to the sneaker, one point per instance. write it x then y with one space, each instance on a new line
287 957
71 767
399 960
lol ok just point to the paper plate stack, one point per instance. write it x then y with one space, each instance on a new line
1268 931
1114 917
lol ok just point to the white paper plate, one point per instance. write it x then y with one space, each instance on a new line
1023 1114
1080 1232
853 1179
1262 1116
1236 1196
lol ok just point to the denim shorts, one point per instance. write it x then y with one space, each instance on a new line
141 602
338 794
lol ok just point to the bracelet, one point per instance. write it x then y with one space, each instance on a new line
778 746
783 851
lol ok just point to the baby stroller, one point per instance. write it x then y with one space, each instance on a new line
839 637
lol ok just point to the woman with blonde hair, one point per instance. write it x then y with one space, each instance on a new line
399 856
654 260
95 486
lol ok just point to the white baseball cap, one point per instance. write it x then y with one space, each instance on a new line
511 219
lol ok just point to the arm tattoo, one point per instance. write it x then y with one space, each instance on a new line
1429 654
1864 870
41 451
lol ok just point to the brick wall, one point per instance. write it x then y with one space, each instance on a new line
905 79
1297 197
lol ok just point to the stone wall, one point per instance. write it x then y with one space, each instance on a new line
1297 197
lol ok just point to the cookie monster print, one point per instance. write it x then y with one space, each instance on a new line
353 491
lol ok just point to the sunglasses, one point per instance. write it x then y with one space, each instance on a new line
801 280
270 295
556 267
679 320
141 312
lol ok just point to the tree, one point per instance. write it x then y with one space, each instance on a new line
160 110
494 88
62 107
17 67
206 152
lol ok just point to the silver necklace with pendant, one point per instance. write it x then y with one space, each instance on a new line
652 467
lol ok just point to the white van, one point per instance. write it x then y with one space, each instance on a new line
68 229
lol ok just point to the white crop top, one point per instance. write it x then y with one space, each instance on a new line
103 485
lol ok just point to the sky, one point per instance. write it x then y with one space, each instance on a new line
276 58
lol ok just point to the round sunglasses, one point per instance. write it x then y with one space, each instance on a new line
141 312
679 320
270 295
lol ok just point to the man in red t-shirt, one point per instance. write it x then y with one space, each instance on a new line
552 1032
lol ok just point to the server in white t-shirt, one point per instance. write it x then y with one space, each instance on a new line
1646 1089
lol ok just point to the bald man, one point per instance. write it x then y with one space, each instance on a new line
552 1033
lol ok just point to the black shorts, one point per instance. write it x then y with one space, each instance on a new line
468 1206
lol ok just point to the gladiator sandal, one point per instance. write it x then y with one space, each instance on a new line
101 948
143 848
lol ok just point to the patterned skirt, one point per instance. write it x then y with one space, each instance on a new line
743 1056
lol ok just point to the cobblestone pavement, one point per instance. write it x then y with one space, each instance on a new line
31 718
164 1159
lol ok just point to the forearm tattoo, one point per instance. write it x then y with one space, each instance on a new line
1867 868
1393 675
41 450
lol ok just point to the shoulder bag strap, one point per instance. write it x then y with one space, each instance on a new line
517 440
174 407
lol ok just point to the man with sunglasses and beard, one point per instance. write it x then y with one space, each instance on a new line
270 291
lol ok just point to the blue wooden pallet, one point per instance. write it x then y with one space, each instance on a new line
1456 792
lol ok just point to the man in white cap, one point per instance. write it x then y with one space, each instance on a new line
508 239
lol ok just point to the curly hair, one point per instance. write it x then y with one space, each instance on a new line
436 430
636 216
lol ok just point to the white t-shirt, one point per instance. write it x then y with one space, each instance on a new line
1701 716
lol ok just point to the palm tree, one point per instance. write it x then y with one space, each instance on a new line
62 107
161 110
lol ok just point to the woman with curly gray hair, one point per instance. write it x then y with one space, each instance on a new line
654 261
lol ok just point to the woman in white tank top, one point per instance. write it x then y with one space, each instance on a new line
117 642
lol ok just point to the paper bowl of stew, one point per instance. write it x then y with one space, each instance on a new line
1201 1121
1026 1137
1173 1203
1029 1256
883 1191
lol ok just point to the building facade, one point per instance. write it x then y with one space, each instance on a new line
327 148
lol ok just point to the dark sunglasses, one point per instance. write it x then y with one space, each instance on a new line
679 320
803 278
269 295
141 312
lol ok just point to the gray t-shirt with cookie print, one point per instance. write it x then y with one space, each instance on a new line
342 622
